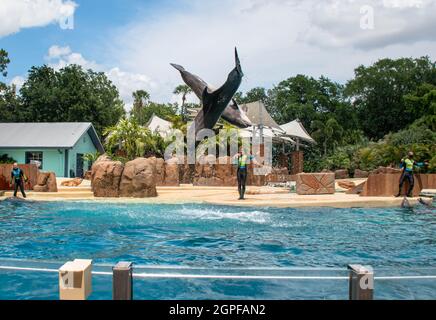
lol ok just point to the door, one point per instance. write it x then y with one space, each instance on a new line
79 165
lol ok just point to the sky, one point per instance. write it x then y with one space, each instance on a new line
134 41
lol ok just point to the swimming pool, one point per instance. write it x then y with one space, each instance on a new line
220 238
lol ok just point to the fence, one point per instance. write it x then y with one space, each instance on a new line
361 279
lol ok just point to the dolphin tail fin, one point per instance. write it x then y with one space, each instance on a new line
238 62
178 67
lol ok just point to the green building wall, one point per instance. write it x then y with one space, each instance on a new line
54 159
84 145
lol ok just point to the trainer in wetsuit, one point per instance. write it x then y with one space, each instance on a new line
241 159
18 178
408 165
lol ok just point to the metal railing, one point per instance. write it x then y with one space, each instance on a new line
361 278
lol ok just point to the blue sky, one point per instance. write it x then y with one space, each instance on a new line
94 21
134 41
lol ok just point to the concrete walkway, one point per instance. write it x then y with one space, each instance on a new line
262 197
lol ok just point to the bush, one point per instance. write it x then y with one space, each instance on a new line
5 159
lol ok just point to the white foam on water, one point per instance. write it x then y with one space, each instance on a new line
255 216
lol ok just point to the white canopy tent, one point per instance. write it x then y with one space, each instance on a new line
159 125
296 130
276 134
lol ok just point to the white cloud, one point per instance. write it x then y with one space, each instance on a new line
18 81
126 82
336 23
276 39
18 14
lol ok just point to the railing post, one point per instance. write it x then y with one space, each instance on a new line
361 282
122 281
75 280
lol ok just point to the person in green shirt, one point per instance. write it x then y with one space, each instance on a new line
241 160
408 165
18 178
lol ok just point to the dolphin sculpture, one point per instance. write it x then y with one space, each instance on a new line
217 103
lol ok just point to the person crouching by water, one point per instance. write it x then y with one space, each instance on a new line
241 160
408 165
18 178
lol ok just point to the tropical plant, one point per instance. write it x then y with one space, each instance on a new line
183 90
127 139
91 157
5 159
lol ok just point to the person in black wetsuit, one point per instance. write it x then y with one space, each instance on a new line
408 165
241 160
18 178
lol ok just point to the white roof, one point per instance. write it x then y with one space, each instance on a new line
295 129
258 115
46 134
276 134
159 125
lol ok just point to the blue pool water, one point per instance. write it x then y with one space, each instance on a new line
218 237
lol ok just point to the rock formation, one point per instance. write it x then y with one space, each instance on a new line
46 182
346 184
341 174
72 183
138 178
106 177
360 173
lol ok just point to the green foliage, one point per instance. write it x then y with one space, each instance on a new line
91 157
379 91
128 140
183 90
255 94
4 61
5 159
70 95
422 105
143 109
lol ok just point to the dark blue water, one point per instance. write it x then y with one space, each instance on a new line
216 237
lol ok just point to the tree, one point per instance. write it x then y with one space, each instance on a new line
183 90
378 93
422 105
8 99
255 94
129 140
328 133
141 98
308 99
70 95
4 61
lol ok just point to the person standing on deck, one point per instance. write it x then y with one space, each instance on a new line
18 178
241 160
408 165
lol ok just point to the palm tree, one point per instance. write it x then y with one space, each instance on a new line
141 98
183 90
329 133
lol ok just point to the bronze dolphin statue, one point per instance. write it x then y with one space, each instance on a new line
217 103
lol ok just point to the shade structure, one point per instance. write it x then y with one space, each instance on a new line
277 135
296 130
258 115
159 125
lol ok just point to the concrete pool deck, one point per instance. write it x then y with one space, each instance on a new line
266 197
